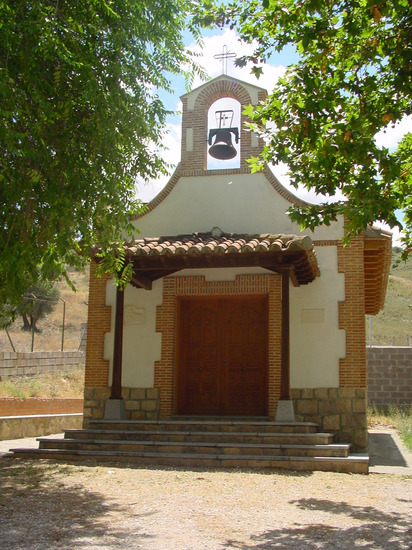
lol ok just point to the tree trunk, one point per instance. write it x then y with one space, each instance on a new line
26 324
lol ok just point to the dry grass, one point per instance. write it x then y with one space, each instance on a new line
50 337
68 382
399 419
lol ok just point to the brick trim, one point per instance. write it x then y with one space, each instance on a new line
98 323
352 369
282 191
334 242
166 323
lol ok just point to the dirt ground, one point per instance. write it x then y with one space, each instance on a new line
47 505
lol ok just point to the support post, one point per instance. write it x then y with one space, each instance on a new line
285 412
115 409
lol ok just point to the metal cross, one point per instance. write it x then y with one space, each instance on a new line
224 56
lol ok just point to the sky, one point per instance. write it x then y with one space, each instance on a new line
214 41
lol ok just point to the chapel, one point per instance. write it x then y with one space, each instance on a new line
233 313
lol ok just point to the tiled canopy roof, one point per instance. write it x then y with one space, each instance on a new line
154 258
226 243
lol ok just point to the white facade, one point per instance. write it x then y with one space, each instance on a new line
237 203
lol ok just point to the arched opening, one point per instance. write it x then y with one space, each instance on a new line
223 114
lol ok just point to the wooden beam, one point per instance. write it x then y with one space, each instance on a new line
141 280
285 337
149 268
116 390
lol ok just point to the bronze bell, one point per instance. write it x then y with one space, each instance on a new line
223 148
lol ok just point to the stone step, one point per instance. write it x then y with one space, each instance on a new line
317 438
352 464
213 418
203 448
205 426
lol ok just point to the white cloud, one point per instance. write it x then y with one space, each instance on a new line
393 134
147 191
213 45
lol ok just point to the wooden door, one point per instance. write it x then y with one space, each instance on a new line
222 356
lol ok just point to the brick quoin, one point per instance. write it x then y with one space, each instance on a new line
352 369
98 323
167 324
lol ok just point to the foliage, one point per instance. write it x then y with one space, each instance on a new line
81 121
7 313
38 300
352 81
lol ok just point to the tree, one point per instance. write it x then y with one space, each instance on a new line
39 300
81 120
354 79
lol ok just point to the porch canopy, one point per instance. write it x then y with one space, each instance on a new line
293 257
154 258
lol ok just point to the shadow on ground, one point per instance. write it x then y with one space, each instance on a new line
384 451
38 511
378 530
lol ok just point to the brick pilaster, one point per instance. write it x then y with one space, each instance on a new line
97 368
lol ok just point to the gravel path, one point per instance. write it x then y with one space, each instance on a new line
48 505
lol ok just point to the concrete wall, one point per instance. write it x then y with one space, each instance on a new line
389 375
29 363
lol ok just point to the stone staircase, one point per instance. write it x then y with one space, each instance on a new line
205 443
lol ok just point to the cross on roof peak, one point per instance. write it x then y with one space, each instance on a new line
224 56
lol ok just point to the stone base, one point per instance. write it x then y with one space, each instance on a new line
139 403
17 427
285 412
115 410
341 411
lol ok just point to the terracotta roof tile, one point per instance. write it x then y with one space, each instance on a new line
228 243
152 255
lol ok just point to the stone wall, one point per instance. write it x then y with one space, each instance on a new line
140 403
29 363
341 411
389 376
17 427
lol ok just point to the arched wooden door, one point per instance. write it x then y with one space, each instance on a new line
222 356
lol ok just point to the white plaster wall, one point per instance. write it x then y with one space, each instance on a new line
316 342
238 203
141 342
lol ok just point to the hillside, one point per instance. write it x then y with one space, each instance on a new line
393 325
50 337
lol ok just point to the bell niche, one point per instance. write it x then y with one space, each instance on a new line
223 138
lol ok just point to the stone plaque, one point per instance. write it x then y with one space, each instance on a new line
133 315
313 316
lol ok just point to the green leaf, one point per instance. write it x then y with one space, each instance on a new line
352 81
